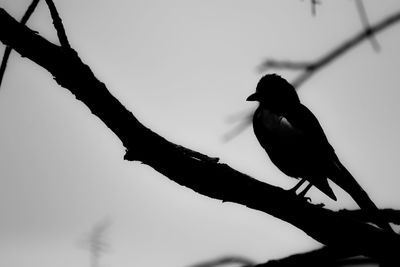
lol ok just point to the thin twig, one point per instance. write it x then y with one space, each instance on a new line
285 64
225 261
335 53
8 49
314 4
244 123
329 256
345 47
58 25
365 22
309 68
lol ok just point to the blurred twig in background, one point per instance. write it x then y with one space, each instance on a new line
325 256
230 261
365 22
95 241
310 68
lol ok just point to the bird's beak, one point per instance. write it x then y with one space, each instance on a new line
253 97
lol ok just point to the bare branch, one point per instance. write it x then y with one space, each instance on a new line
8 49
313 67
325 256
365 22
58 25
201 174
390 215
328 256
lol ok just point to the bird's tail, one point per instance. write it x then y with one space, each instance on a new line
343 178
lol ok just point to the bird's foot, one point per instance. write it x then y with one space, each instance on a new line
309 200
302 195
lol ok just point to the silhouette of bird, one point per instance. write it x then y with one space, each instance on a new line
296 143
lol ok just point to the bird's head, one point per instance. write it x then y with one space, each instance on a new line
274 92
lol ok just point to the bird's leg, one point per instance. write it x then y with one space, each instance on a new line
297 186
304 192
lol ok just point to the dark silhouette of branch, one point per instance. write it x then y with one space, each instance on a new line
192 169
57 22
365 22
390 215
325 256
240 261
328 256
8 49
311 68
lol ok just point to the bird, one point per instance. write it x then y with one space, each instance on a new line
296 143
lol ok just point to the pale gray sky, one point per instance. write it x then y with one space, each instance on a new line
182 67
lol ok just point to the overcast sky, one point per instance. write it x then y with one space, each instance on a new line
183 67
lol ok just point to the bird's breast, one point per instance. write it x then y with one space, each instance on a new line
280 139
274 124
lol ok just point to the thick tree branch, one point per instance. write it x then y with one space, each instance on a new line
325 256
192 169
328 256
389 215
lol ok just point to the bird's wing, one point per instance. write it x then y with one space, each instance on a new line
317 153
304 121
